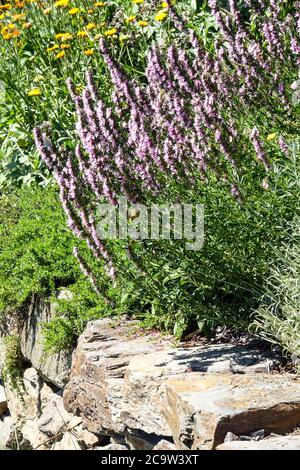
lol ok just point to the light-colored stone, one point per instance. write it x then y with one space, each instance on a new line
289 442
117 374
54 419
3 400
165 445
87 439
68 442
54 368
11 437
208 406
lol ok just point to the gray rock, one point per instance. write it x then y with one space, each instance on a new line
68 442
55 419
289 442
54 368
11 438
208 406
165 445
117 374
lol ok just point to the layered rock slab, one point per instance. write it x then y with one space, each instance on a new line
118 377
209 406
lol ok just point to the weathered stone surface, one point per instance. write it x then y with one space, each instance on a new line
68 442
96 391
11 437
289 442
165 445
54 418
54 368
3 401
117 374
87 439
209 406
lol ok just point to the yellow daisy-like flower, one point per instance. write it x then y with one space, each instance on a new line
64 36
53 48
82 34
2 16
164 5
27 25
160 16
47 11
271 136
18 17
130 19
89 52
90 26
20 4
138 2
90 11
62 3
34 92
143 24
65 46
7 6
60 55
99 4
74 11
110 32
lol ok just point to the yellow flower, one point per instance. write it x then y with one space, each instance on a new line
64 37
60 55
65 46
20 4
90 26
7 6
89 52
138 2
73 11
143 23
53 48
110 32
271 136
82 34
130 19
62 3
18 17
90 11
161 15
99 4
164 5
97 36
46 11
34 92
27 25
1 16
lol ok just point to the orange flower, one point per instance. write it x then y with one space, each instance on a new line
89 52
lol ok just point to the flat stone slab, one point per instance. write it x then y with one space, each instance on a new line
117 374
200 409
289 442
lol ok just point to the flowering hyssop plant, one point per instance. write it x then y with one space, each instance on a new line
196 116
